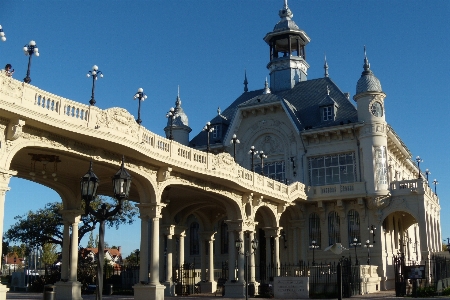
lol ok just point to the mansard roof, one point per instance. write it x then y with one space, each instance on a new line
302 103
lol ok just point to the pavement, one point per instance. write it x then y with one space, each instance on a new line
379 295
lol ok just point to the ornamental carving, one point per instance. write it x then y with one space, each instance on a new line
15 129
11 87
223 161
118 119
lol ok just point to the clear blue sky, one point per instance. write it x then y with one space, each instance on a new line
205 46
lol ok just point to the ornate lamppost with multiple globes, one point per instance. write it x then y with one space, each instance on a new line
253 152
29 50
313 246
121 188
254 244
261 156
435 182
234 141
208 128
171 115
141 96
368 245
2 34
419 160
95 73
355 244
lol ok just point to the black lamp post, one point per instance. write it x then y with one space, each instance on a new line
419 160
15 259
208 128
313 246
427 172
234 141
262 156
355 244
94 73
253 152
29 50
435 182
2 34
141 96
238 244
368 246
121 188
171 115
372 231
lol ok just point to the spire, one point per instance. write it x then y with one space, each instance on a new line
266 88
285 13
366 61
325 66
367 82
328 90
245 82
218 110
178 101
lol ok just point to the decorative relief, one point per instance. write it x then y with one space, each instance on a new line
119 119
10 87
15 129
223 161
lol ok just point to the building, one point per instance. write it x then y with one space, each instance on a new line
363 186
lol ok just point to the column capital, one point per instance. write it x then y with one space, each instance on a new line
168 229
150 210
180 230
272 231
241 225
72 216
5 177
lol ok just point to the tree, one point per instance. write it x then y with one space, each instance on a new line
45 225
49 254
91 242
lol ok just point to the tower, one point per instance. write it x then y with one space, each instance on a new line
287 43
180 124
373 135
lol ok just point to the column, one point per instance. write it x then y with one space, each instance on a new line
231 256
241 259
143 250
65 252
211 260
74 250
154 263
252 259
169 257
276 252
181 254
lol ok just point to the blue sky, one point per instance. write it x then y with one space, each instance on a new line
205 47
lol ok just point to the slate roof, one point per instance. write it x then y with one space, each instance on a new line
302 102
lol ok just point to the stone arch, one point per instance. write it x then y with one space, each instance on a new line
265 217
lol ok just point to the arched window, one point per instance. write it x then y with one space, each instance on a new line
314 229
194 241
223 238
353 226
334 228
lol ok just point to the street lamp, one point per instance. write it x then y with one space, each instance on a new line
427 172
253 152
313 246
29 50
355 244
239 244
94 73
121 187
141 96
435 182
15 259
234 141
372 231
368 246
419 160
171 115
262 156
2 34
208 128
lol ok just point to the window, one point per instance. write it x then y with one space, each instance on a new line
332 169
334 227
314 229
194 242
274 170
353 226
223 238
216 132
327 113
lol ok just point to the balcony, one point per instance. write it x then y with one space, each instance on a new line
350 190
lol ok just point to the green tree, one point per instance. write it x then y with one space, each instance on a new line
91 242
44 226
49 254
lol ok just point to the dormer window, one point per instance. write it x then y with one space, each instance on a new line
328 113
328 108
216 132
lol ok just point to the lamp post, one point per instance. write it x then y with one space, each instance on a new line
121 188
137 251
355 244
171 115
313 246
208 128
15 259
253 152
435 182
238 244
368 246
29 50
262 156
2 34
234 141
372 231
419 160
141 96
94 73
427 172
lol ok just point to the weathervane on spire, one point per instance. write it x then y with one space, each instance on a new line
325 66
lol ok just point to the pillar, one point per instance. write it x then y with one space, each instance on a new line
169 232
211 260
65 252
268 249
74 250
4 181
143 250
209 285
276 253
181 251
241 259
231 256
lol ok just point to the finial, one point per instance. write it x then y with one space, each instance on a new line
325 66
266 88
178 101
245 82
218 110
328 90
285 13
366 60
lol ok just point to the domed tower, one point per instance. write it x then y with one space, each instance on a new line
287 43
373 135
180 124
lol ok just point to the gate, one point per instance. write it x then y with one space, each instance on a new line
351 278
400 275
184 279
